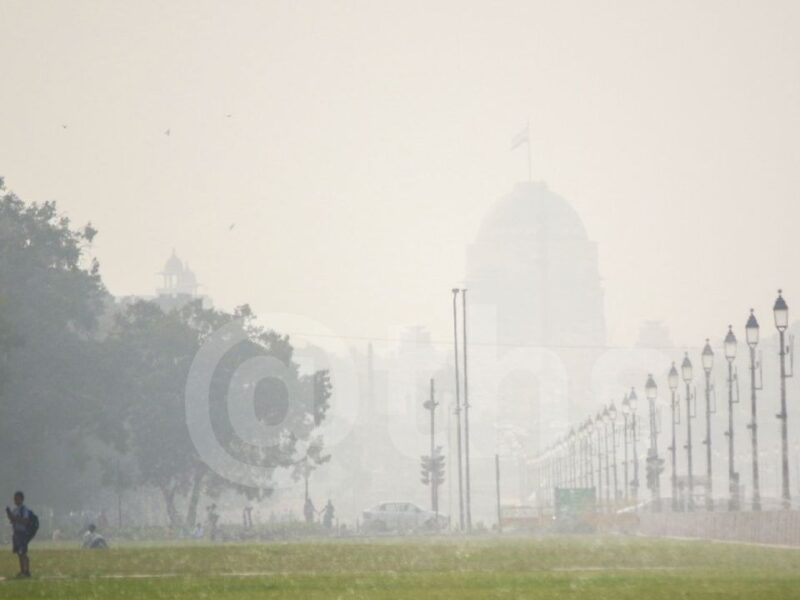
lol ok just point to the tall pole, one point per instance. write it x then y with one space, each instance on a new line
674 456
599 467
431 406
654 462
733 487
608 478
625 443
458 415
709 488
497 486
785 493
635 459
614 449
752 329
587 463
530 170
466 414
689 446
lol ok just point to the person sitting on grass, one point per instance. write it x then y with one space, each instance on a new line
93 540
21 520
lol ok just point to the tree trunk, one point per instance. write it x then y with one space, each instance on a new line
172 512
194 498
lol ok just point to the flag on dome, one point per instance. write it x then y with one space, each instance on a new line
520 138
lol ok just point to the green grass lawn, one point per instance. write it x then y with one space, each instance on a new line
549 567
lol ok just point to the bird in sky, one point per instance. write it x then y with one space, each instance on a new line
63 127
232 226
166 133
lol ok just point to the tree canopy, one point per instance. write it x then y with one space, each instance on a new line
75 396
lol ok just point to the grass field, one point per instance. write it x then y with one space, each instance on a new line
548 567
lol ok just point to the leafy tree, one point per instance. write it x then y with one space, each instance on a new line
51 297
156 350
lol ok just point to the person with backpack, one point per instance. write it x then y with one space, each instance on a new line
327 515
25 525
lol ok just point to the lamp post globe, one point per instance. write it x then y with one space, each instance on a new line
730 345
686 369
781 312
751 330
650 388
672 378
707 357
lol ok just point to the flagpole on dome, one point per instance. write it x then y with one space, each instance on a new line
528 139
523 137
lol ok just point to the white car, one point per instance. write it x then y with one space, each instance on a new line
401 516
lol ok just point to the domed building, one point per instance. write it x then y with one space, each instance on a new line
534 270
179 279
533 260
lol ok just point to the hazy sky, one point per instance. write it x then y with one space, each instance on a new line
367 139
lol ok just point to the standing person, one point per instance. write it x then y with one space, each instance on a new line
309 511
213 519
327 515
25 524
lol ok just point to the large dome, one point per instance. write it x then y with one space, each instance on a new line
532 212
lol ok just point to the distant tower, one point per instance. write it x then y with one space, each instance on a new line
179 279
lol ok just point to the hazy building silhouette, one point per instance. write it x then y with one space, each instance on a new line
534 270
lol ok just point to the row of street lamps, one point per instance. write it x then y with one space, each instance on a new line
570 462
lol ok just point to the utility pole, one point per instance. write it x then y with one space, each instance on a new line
466 414
497 486
626 409
458 414
431 405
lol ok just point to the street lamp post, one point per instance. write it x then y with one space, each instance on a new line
626 411
672 379
604 418
653 462
707 358
588 427
686 372
635 484
573 474
612 417
733 476
751 332
598 429
781 313
458 416
580 436
467 486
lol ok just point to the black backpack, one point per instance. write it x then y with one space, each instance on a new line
33 524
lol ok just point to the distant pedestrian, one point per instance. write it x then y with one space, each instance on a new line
309 511
247 517
213 519
327 515
25 525
93 540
